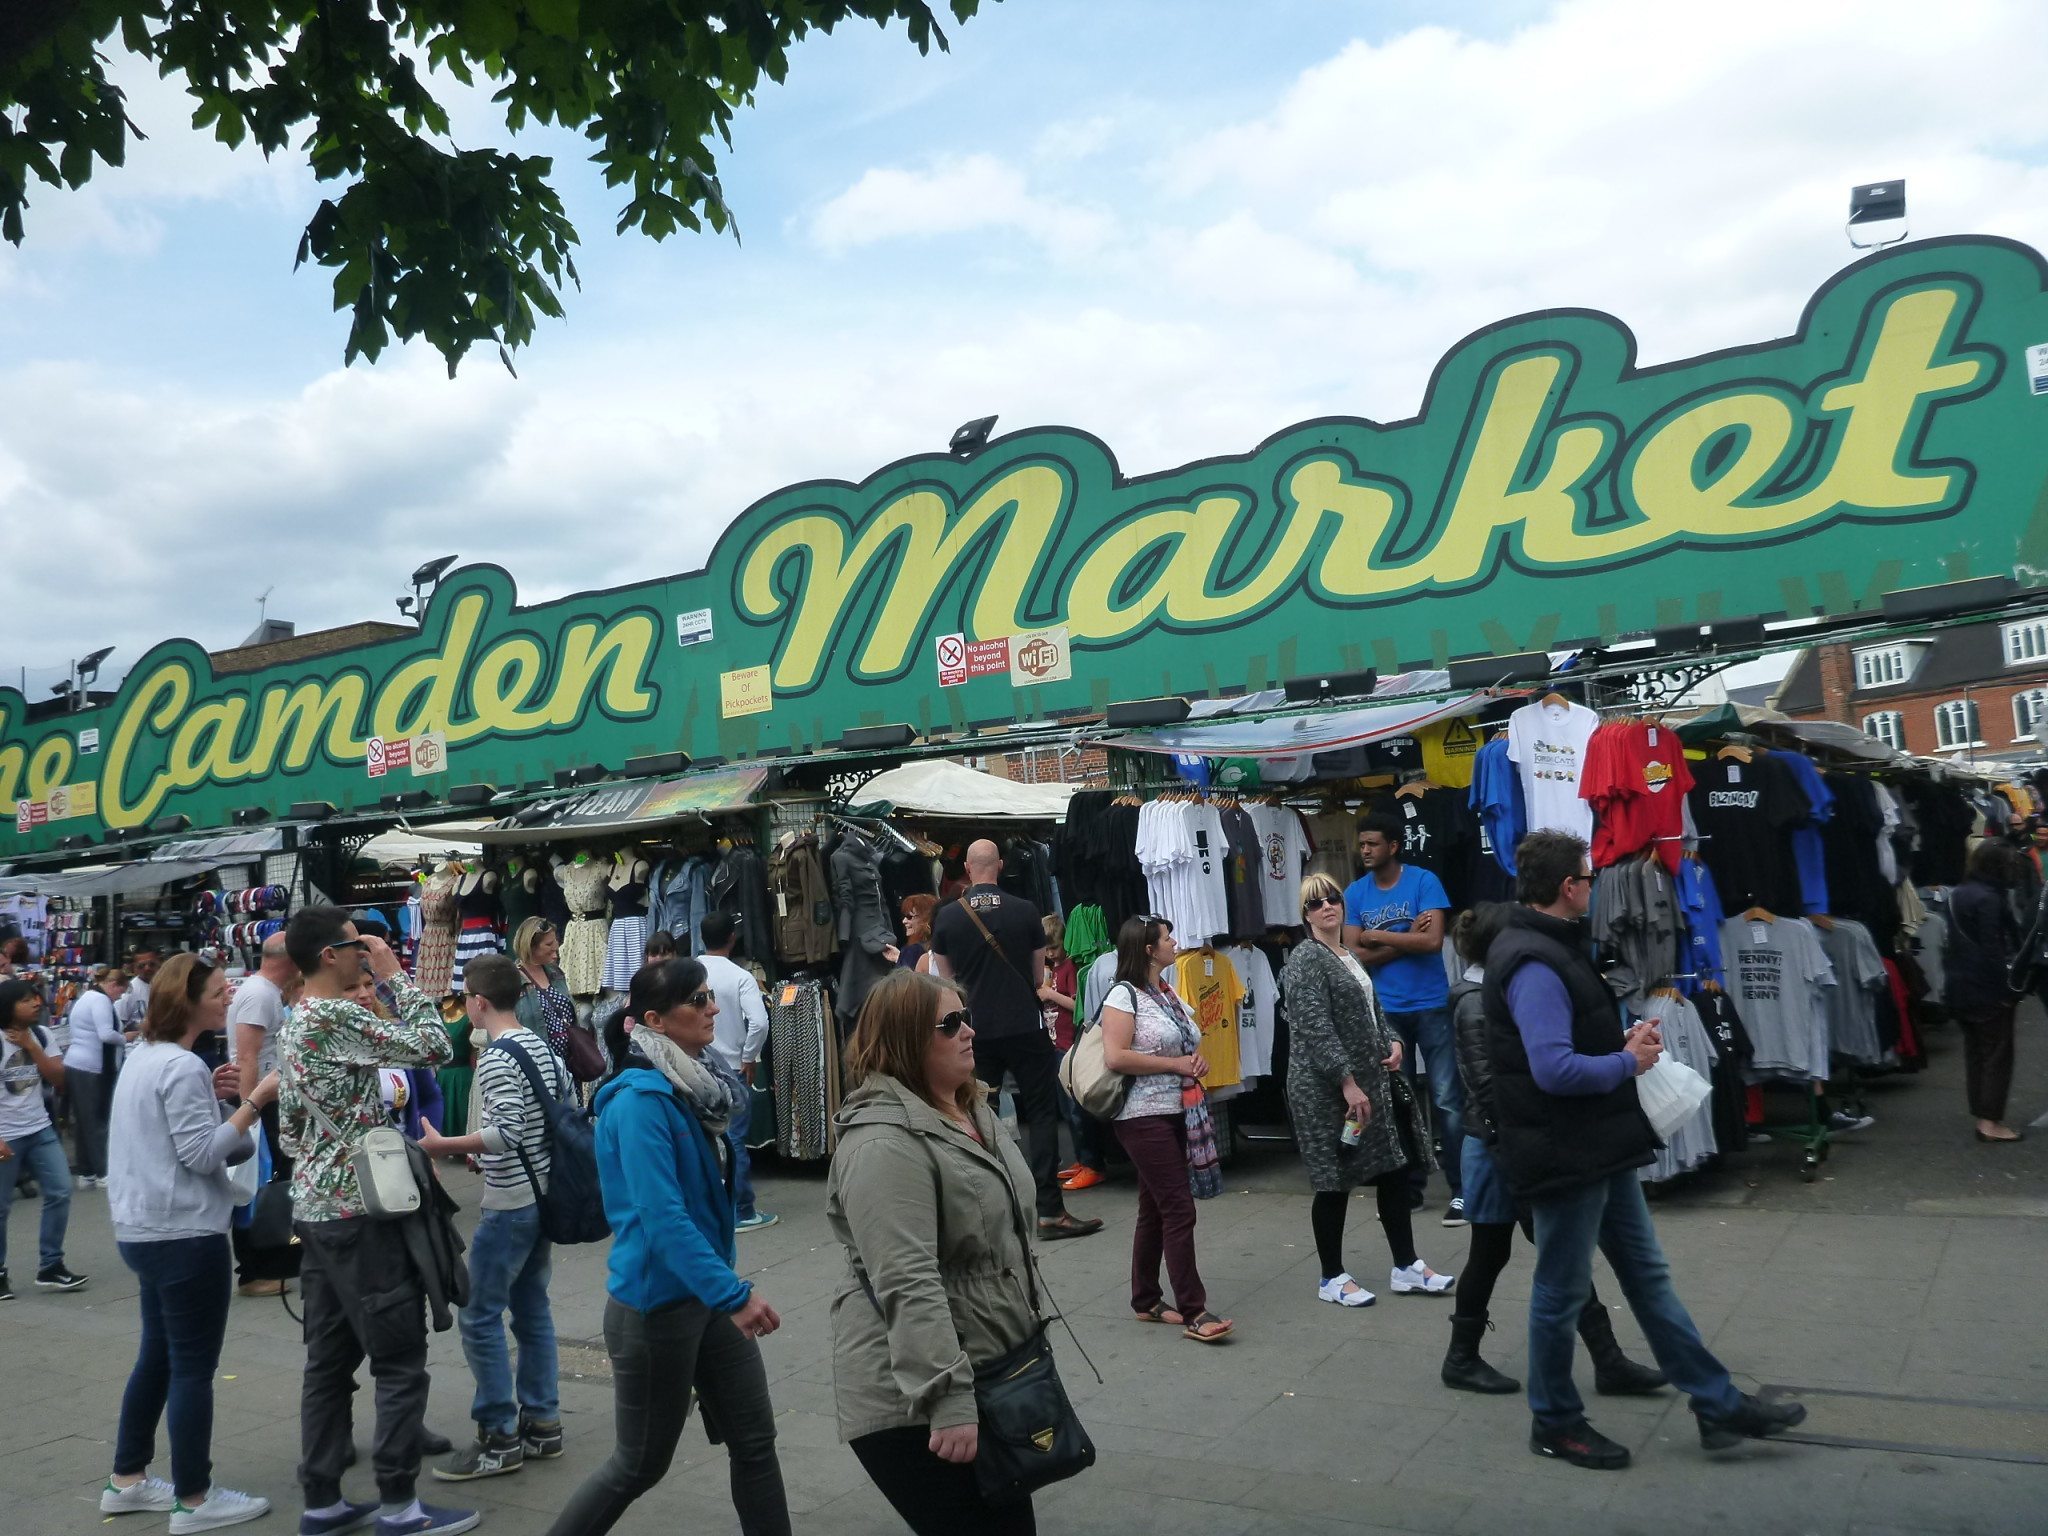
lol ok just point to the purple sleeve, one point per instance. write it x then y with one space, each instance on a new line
1542 1011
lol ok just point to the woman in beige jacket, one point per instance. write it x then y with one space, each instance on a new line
927 1193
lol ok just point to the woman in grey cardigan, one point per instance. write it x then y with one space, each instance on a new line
168 1193
1341 1064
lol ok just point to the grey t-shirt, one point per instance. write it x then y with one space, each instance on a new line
1779 975
22 1111
1852 1002
257 1001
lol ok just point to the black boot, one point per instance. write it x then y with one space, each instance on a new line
1614 1374
1463 1369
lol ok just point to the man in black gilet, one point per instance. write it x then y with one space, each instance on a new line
1572 1135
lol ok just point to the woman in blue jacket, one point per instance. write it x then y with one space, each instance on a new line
677 1317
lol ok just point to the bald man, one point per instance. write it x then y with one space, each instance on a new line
993 944
253 1020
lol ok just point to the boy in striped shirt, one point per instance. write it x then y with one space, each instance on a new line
509 1257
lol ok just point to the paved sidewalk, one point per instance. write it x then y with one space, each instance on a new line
1902 1295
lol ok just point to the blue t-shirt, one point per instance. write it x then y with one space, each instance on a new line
1407 983
1808 854
1497 797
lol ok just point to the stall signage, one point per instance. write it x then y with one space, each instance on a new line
2037 368
88 741
1548 492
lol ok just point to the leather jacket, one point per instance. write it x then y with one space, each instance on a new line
1475 1069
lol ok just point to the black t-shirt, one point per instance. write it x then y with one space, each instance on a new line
1001 997
1745 813
1438 832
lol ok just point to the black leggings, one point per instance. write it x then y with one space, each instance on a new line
934 1497
1326 1219
1492 1243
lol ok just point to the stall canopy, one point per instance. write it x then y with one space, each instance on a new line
936 787
1832 735
109 879
628 810
1323 731
405 845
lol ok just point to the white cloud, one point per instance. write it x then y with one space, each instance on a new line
953 196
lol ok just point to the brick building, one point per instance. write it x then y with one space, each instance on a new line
1976 690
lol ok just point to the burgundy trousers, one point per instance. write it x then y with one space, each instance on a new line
1157 1146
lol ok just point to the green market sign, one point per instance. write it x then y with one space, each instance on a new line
1550 492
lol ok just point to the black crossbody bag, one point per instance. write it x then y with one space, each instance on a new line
1030 1435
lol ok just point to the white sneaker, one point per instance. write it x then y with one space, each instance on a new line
221 1507
150 1496
1418 1279
1333 1290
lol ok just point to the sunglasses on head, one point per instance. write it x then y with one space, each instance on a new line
1317 903
201 969
349 944
953 1023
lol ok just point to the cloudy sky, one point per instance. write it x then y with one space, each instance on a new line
1180 224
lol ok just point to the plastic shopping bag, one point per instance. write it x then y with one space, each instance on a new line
1671 1094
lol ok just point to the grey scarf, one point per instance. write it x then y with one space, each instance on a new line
708 1093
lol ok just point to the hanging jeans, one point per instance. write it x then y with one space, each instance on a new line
184 1293
1612 1215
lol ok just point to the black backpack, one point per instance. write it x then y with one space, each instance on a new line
572 1204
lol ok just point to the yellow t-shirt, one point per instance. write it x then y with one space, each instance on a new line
1448 751
1208 983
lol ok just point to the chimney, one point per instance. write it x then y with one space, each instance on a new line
1837 682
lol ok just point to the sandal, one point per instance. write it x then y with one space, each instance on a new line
1160 1312
1208 1328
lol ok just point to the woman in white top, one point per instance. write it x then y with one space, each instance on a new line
1148 1033
171 1201
90 1062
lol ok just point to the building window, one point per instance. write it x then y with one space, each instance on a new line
1889 727
1880 665
1955 724
2027 710
2026 641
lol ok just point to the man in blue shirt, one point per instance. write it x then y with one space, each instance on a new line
1395 918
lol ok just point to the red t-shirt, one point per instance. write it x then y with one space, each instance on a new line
1635 778
1059 1022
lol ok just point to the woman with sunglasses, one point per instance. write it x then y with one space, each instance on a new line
1353 1122
1149 1035
545 1006
927 1194
171 1202
676 1317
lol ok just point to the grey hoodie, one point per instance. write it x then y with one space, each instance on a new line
931 1220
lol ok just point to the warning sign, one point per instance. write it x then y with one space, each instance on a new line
960 658
746 691
373 756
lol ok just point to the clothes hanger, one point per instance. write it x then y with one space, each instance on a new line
1760 915
1821 920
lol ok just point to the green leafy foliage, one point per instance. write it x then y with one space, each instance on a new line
425 238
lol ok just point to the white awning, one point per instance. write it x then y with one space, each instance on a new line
1293 735
937 787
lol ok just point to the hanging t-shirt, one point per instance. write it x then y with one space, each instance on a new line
1283 860
1437 830
1333 844
1208 983
1809 854
1745 813
1407 983
1852 1001
1497 797
1448 751
1636 780
1777 972
1208 904
1243 871
1255 1010
1547 743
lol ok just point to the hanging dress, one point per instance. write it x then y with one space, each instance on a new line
478 932
585 888
626 944
457 1079
431 972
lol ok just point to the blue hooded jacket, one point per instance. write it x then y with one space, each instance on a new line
670 1208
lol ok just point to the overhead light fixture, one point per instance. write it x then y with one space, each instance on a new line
1735 634
407 800
249 815
588 773
655 764
879 738
1948 599
164 826
472 794
310 810
424 580
1330 685
432 570
1497 671
1876 202
1136 714
971 438
539 811
76 840
1679 639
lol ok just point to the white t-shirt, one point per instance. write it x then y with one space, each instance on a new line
1547 742
1255 1010
1283 859
259 1002
742 1022
22 1111
93 1029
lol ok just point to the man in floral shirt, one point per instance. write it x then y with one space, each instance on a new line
364 1297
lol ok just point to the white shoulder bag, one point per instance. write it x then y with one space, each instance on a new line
382 1166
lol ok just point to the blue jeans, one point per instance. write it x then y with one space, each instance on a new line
186 1284
1612 1214
42 1154
1427 1033
742 1164
509 1263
